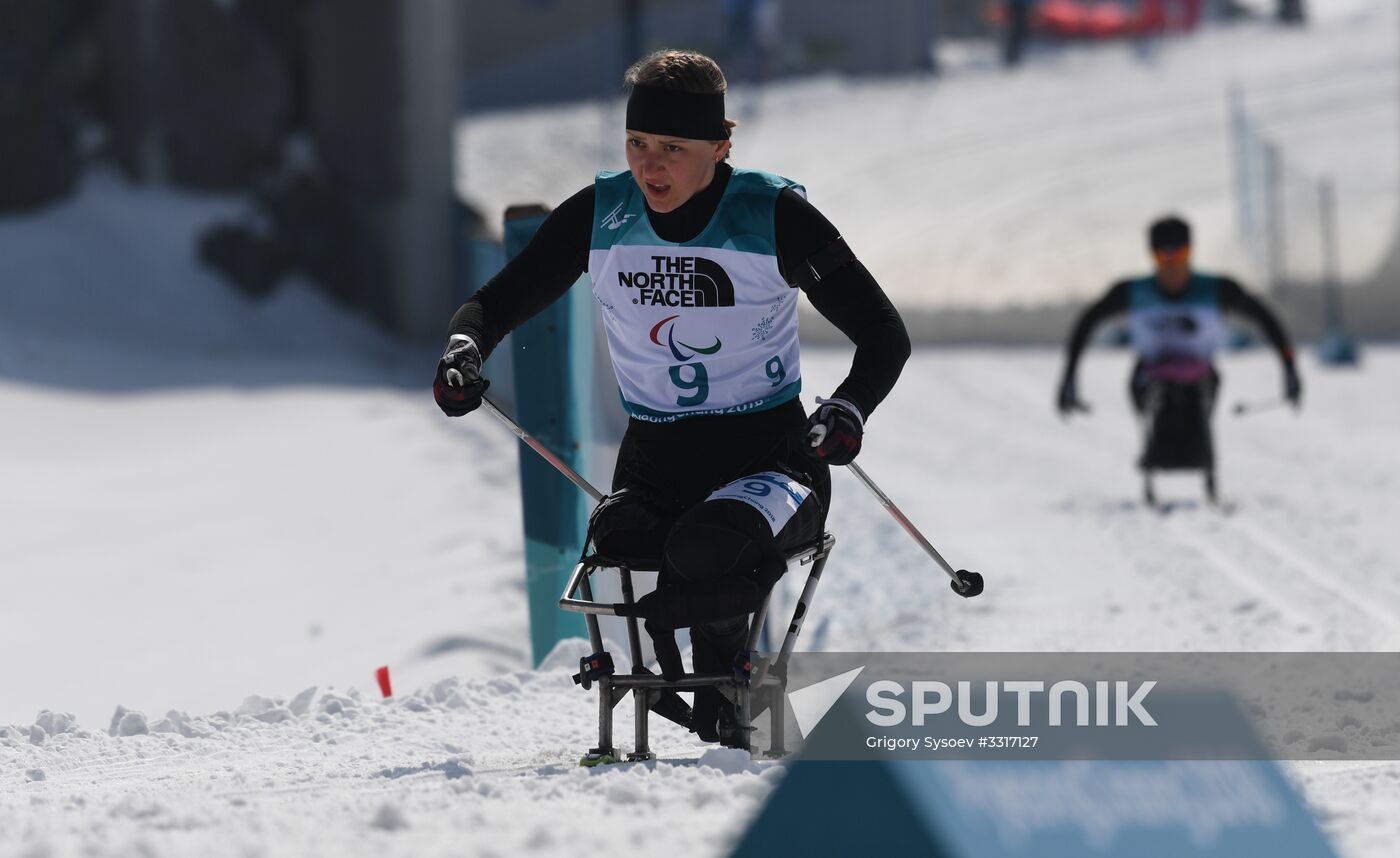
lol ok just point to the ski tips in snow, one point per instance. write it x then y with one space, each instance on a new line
593 760
382 676
967 585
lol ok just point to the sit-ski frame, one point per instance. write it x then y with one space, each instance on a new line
738 686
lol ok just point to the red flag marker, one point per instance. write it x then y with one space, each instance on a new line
382 674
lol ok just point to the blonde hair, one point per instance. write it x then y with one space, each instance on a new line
686 71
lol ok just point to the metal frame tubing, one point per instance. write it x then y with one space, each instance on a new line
646 687
605 701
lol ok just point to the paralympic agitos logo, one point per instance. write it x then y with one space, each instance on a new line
678 349
680 281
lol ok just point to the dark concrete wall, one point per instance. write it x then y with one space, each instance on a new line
383 81
41 81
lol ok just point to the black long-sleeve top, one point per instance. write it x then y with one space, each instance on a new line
1233 298
558 254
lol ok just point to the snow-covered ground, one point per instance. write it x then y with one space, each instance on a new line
224 516
194 482
270 574
984 189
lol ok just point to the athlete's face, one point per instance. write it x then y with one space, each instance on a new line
1173 267
671 170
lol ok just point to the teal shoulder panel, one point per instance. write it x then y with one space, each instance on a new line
754 180
1143 293
617 209
744 221
1203 290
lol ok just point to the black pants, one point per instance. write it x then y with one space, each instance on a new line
718 558
1176 419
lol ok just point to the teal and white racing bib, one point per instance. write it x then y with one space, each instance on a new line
1190 326
704 327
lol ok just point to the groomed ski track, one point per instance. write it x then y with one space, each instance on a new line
1047 510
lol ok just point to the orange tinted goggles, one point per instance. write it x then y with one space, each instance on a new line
1171 254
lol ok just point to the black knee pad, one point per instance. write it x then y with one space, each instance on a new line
630 526
717 539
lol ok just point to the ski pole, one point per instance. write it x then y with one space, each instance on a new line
454 378
1243 408
966 584
544 451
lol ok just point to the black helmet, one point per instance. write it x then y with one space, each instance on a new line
1169 232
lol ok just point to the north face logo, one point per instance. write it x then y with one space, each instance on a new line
680 281
1177 324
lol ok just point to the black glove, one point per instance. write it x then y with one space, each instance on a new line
834 431
1292 385
1068 401
458 385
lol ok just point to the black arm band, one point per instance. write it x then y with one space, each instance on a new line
823 264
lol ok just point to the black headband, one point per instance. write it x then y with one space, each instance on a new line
674 113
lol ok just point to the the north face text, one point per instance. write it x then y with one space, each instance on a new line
680 281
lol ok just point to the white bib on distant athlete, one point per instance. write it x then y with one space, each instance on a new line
704 327
1189 326
774 494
